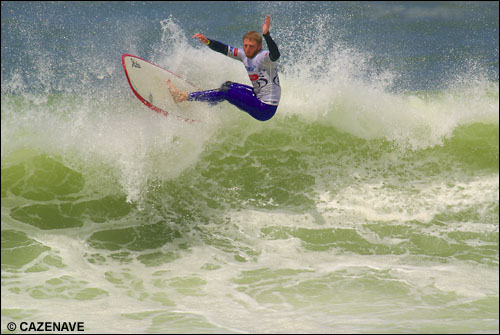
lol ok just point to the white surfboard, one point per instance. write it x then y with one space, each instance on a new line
147 81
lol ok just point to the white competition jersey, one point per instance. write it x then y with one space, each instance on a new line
263 74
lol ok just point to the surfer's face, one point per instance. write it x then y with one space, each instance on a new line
251 48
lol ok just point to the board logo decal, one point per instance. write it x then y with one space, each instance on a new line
135 64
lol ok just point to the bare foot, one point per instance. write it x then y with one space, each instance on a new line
178 95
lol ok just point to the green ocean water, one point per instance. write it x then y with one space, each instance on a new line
361 207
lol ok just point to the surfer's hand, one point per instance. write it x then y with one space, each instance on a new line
267 23
202 38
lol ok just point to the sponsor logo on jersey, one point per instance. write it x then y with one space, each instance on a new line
233 51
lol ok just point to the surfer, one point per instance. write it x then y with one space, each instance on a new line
261 100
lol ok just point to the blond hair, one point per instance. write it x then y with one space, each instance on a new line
253 36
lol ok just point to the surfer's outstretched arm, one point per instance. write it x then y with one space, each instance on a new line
274 53
202 38
212 44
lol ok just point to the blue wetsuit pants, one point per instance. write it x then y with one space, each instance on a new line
239 95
